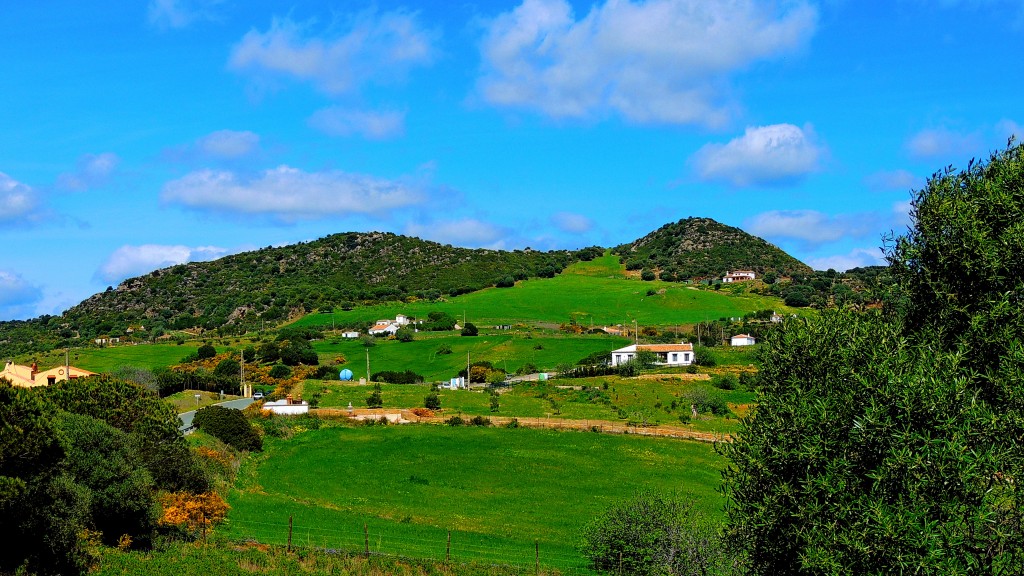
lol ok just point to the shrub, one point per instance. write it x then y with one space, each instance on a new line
206 351
470 329
432 401
375 400
229 426
444 349
392 377
513 423
480 421
455 421
280 371
724 382
654 534
647 275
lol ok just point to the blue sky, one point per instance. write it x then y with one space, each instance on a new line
140 135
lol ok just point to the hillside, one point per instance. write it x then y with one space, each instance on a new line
698 248
348 270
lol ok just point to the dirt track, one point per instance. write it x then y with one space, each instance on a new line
606 426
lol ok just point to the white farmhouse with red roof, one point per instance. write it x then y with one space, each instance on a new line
738 276
668 354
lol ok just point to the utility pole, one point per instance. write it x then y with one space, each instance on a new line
467 370
241 375
367 365
67 363
636 335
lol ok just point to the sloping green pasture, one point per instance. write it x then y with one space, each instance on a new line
507 351
105 359
497 490
590 292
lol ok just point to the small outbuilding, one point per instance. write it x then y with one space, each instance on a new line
742 340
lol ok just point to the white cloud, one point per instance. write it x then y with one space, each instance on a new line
893 180
18 202
128 261
1006 128
17 296
468 232
941 143
374 47
811 226
91 170
763 156
337 121
290 194
180 13
843 262
228 144
572 223
666 61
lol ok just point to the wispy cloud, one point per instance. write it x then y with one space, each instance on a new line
370 47
128 261
92 170
18 297
373 125
813 227
942 143
659 61
180 13
572 223
19 203
289 194
468 232
893 180
228 144
855 258
763 156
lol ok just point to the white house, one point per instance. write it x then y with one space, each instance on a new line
287 406
350 334
738 276
742 340
389 326
668 354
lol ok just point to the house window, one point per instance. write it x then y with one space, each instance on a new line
675 357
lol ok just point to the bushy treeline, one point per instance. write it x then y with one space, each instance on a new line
395 377
891 442
81 462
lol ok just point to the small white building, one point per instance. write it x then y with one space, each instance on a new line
286 407
389 327
742 340
350 334
738 276
668 354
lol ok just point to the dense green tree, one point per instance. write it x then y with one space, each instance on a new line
299 351
470 329
891 442
206 351
230 426
227 368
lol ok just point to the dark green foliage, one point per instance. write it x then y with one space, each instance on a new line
432 401
470 329
133 409
269 352
393 377
505 282
227 368
455 421
280 371
891 442
702 248
206 351
703 357
444 349
480 421
106 461
405 334
495 401
647 275
374 400
229 426
706 401
596 358
298 351
325 372
725 382
654 534
439 322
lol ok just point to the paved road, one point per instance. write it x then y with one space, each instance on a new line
186 418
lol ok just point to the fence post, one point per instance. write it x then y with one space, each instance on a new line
448 550
289 533
536 554
366 541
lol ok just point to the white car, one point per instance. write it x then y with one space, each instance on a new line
257 396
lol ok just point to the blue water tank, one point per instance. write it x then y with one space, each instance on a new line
345 374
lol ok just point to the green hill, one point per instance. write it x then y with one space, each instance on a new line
699 248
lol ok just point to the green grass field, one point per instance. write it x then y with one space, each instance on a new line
105 359
640 400
497 490
594 292
508 351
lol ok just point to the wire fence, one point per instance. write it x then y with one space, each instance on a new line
433 544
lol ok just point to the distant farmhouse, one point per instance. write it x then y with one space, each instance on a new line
742 340
29 376
738 276
668 354
350 334
389 326
612 330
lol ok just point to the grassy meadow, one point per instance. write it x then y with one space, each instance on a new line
497 490
594 293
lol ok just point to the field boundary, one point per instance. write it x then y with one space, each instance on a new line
404 416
